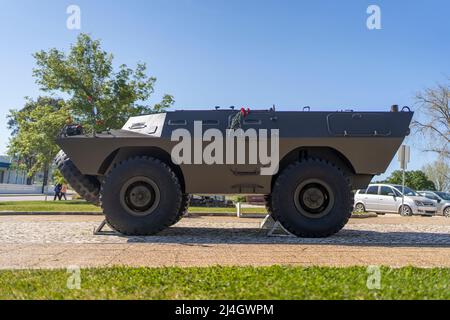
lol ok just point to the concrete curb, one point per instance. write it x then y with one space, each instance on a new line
364 215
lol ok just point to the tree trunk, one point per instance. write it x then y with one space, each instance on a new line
29 180
45 179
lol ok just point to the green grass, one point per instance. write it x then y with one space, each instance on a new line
226 210
274 282
83 206
48 206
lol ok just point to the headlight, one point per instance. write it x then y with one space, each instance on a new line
418 203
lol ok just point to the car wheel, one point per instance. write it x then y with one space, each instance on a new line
360 208
447 212
405 210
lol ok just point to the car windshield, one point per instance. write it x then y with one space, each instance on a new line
408 191
443 195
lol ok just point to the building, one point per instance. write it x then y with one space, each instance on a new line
14 181
9 175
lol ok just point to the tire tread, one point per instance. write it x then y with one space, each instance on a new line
275 211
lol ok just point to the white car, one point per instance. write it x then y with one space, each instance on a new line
386 198
442 200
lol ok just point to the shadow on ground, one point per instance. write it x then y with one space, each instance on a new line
346 237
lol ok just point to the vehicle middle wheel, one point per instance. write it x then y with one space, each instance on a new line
141 196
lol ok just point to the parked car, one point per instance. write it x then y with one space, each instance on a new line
442 200
386 198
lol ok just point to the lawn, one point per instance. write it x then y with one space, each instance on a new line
83 206
274 282
48 206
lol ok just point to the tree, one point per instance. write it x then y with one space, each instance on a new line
24 158
86 74
57 177
416 180
35 129
439 173
433 121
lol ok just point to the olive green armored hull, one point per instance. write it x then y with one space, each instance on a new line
360 143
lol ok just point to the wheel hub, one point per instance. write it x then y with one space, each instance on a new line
140 196
313 198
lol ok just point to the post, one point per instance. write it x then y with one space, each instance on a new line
403 158
238 209
403 187
45 178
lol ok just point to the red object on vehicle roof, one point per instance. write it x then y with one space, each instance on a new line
245 112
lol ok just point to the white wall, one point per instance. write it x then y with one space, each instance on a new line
19 189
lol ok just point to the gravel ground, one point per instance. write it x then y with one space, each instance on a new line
60 241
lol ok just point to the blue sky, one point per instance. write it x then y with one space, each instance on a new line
244 52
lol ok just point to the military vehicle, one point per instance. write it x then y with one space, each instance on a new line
131 173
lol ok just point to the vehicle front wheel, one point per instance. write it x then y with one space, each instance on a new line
447 212
141 196
312 198
405 210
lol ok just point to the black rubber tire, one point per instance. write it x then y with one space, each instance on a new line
283 205
183 208
164 215
88 187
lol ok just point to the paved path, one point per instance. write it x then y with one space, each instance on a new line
60 241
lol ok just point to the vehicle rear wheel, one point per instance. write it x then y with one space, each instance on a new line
360 208
405 210
141 196
312 198
88 187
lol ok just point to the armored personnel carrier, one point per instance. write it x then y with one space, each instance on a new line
305 163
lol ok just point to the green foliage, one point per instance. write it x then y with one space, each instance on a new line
58 177
86 74
238 198
275 282
35 128
416 180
